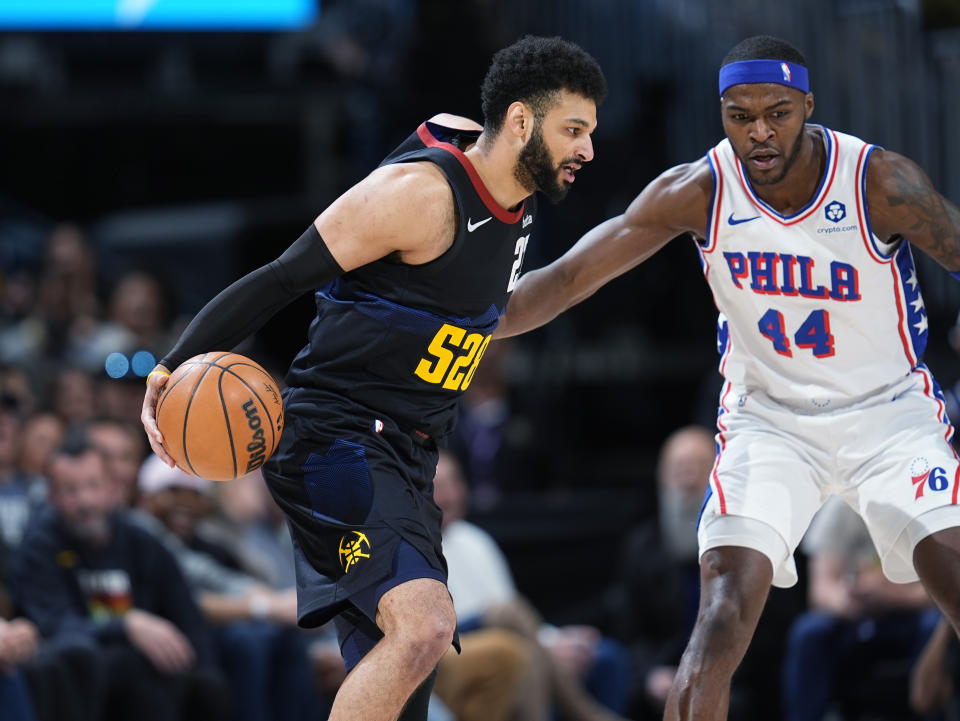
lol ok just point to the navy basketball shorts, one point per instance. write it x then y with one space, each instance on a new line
358 495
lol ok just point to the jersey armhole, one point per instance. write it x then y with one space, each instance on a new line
708 243
881 250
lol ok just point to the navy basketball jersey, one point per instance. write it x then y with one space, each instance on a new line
405 340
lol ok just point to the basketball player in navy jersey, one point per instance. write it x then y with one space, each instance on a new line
805 238
414 266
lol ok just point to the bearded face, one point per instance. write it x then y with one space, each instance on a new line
536 169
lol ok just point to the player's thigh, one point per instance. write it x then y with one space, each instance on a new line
764 490
908 489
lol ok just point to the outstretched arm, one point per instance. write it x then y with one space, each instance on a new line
675 203
902 201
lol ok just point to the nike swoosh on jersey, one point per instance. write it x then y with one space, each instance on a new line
471 226
736 221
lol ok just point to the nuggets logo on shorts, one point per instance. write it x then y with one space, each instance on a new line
922 475
352 550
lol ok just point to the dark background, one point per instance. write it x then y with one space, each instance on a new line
201 155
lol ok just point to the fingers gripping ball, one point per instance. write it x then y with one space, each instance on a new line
220 415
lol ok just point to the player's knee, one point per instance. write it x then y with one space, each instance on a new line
426 638
720 620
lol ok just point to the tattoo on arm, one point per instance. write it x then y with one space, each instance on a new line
930 221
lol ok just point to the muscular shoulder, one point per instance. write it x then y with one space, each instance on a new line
890 173
678 199
402 207
895 186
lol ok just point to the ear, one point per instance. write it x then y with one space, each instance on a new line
519 121
808 106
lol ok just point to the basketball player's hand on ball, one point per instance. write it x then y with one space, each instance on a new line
148 416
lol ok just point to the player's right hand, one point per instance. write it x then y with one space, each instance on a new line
156 380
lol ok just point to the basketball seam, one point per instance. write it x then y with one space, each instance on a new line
226 417
186 412
170 387
226 369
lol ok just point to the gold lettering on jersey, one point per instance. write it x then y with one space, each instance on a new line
453 356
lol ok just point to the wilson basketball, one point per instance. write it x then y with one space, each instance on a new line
220 415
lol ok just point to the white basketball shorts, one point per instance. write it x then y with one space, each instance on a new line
888 456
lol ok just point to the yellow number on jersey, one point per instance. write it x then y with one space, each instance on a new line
455 356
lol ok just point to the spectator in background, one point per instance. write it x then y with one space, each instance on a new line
654 601
18 639
119 399
258 533
44 681
85 572
122 446
66 307
263 652
136 320
862 632
16 504
934 677
484 596
42 435
74 396
256 530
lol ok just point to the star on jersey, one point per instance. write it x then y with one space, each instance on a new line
917 304
921 326
912 280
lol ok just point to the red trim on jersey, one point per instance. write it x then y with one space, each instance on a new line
502 214
718 191
726 351
723 445
941 406
901 310
813 208
956 480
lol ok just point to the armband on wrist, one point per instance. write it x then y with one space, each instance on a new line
152 373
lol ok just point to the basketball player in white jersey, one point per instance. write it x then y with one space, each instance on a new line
805 238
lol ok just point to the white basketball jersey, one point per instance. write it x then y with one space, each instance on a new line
814 309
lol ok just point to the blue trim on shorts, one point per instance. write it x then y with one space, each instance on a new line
408 564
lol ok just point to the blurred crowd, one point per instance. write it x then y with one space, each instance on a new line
132 590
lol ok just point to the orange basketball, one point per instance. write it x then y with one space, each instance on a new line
220 415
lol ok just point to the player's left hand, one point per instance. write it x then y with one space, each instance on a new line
148 416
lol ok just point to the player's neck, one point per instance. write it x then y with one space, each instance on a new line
799 187
495 162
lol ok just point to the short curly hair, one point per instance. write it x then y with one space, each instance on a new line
764 47
534 70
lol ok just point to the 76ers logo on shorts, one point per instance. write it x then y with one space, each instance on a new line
352 549
923 475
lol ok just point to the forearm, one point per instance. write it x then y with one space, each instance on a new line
246 305
538 298
228 318
603 253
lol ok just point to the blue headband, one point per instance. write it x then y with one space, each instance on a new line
764 71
